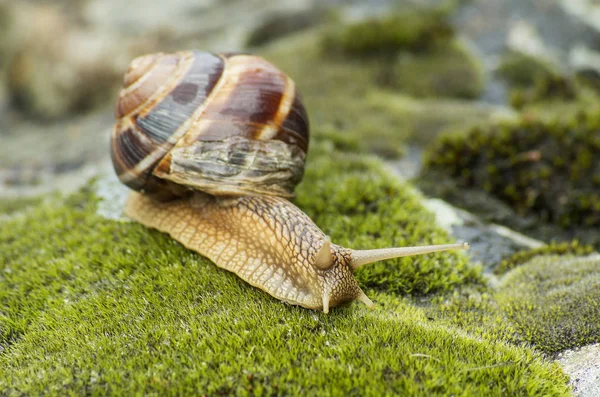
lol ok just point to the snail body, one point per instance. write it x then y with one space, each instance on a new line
214 144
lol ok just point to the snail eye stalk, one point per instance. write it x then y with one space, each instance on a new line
364 257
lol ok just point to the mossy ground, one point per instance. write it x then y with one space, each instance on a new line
11 205
553 301
566 248
549 302
410 30
96 306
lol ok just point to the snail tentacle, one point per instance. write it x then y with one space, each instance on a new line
364 257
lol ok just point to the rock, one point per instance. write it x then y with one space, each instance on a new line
490 243
112 194
583 366
523 38
586 64
587 11
73 151
537 28
56 71
582 58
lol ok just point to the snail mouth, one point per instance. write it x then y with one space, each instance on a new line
340 287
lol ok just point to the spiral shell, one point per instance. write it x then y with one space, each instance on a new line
225 124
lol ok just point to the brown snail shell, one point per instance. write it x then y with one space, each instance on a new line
219 123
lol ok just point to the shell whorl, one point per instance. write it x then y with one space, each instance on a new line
226 124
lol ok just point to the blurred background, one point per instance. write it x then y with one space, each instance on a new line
490 105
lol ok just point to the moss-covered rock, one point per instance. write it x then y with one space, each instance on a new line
552 301
280 24
414 30
448 71
523 70
566 248
97 306
418 49
546 169
548 88
540 87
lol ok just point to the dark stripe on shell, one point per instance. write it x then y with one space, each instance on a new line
193 89
253 99
127 151
296 122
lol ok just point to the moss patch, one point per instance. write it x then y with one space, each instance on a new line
95 306
11 205
418 47
567 248
546 169
523 70
281 24
414 30
448 71
553 301
548 88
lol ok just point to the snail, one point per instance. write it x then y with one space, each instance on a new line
213 146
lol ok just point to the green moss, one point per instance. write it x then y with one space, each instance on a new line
541 88
281 24
340 189
449 71
552 301
523 70
567 248
11 205
589 78
96 306
546 88
474 310
414 30
545 169
421 57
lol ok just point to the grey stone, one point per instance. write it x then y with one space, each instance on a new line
583 366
